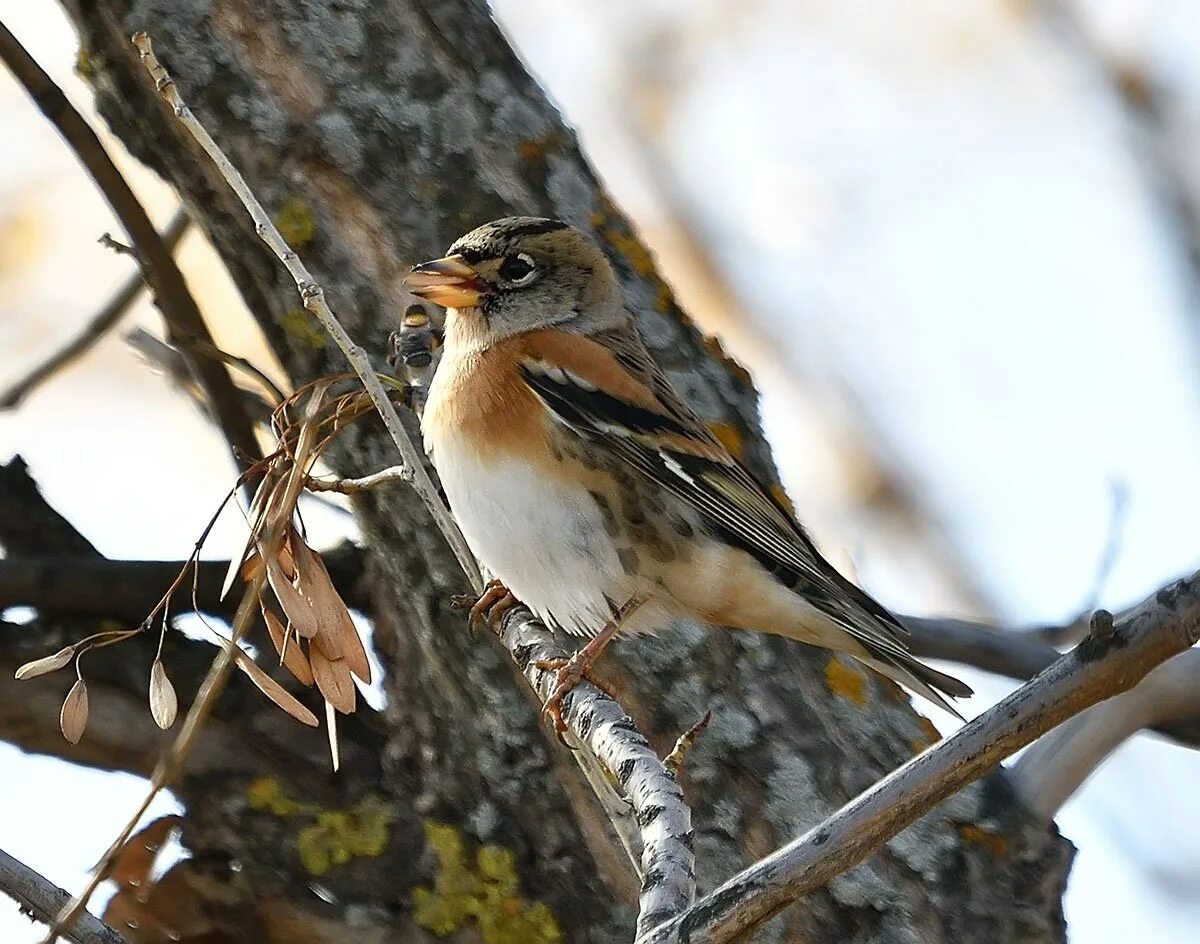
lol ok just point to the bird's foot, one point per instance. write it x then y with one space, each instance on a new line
489 608
569 673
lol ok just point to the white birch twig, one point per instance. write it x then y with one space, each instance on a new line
598 722
1111 660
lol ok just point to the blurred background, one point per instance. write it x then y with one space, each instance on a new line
956 242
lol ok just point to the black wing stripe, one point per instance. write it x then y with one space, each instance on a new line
750 521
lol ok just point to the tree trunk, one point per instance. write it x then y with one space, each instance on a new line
396 127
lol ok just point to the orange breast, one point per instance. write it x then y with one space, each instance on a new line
479 398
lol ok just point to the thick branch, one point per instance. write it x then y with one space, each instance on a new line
1015 653
1111 660
127 590
185 324
1056 766
42 899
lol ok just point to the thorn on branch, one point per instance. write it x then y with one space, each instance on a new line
674 761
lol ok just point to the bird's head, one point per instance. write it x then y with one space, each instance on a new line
519 274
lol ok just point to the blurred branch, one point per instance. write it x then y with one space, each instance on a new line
101 323
28 525
1055 767
1111 660
126 590
42 899
185 324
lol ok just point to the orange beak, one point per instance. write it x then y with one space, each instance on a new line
448 282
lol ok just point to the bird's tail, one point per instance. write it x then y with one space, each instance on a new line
915 675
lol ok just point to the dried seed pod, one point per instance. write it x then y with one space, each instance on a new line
274 691
46 664
74 715
163 702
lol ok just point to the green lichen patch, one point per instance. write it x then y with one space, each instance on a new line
333 837
301 325
296 223
482 892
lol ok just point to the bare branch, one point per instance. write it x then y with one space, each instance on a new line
101 323
1111 660
185 324
94 586
660 814
42 899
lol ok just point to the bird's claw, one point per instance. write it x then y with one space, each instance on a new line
569 673
489 608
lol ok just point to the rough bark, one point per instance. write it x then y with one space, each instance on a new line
399 126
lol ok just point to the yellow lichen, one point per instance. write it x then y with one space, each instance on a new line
296 223
532 149
267 794
484 894
996 844
717 350
846 681
299 324
334 837
337 836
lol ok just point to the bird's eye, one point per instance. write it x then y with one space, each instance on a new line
518 269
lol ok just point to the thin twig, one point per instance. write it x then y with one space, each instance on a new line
393 473
42 899
314 300
101 323
172 760
1111 660
661 821
185 324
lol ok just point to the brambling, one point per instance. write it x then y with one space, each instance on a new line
587 486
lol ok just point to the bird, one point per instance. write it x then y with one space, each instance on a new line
589 488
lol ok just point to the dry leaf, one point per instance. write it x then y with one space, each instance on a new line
163 703
46 664
273 690
332 677
294 658
74 715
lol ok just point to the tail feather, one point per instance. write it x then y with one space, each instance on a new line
920 678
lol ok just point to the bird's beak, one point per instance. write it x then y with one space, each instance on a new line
448 282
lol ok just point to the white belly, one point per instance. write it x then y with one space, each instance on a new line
546 543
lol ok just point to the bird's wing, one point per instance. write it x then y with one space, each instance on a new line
608 389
